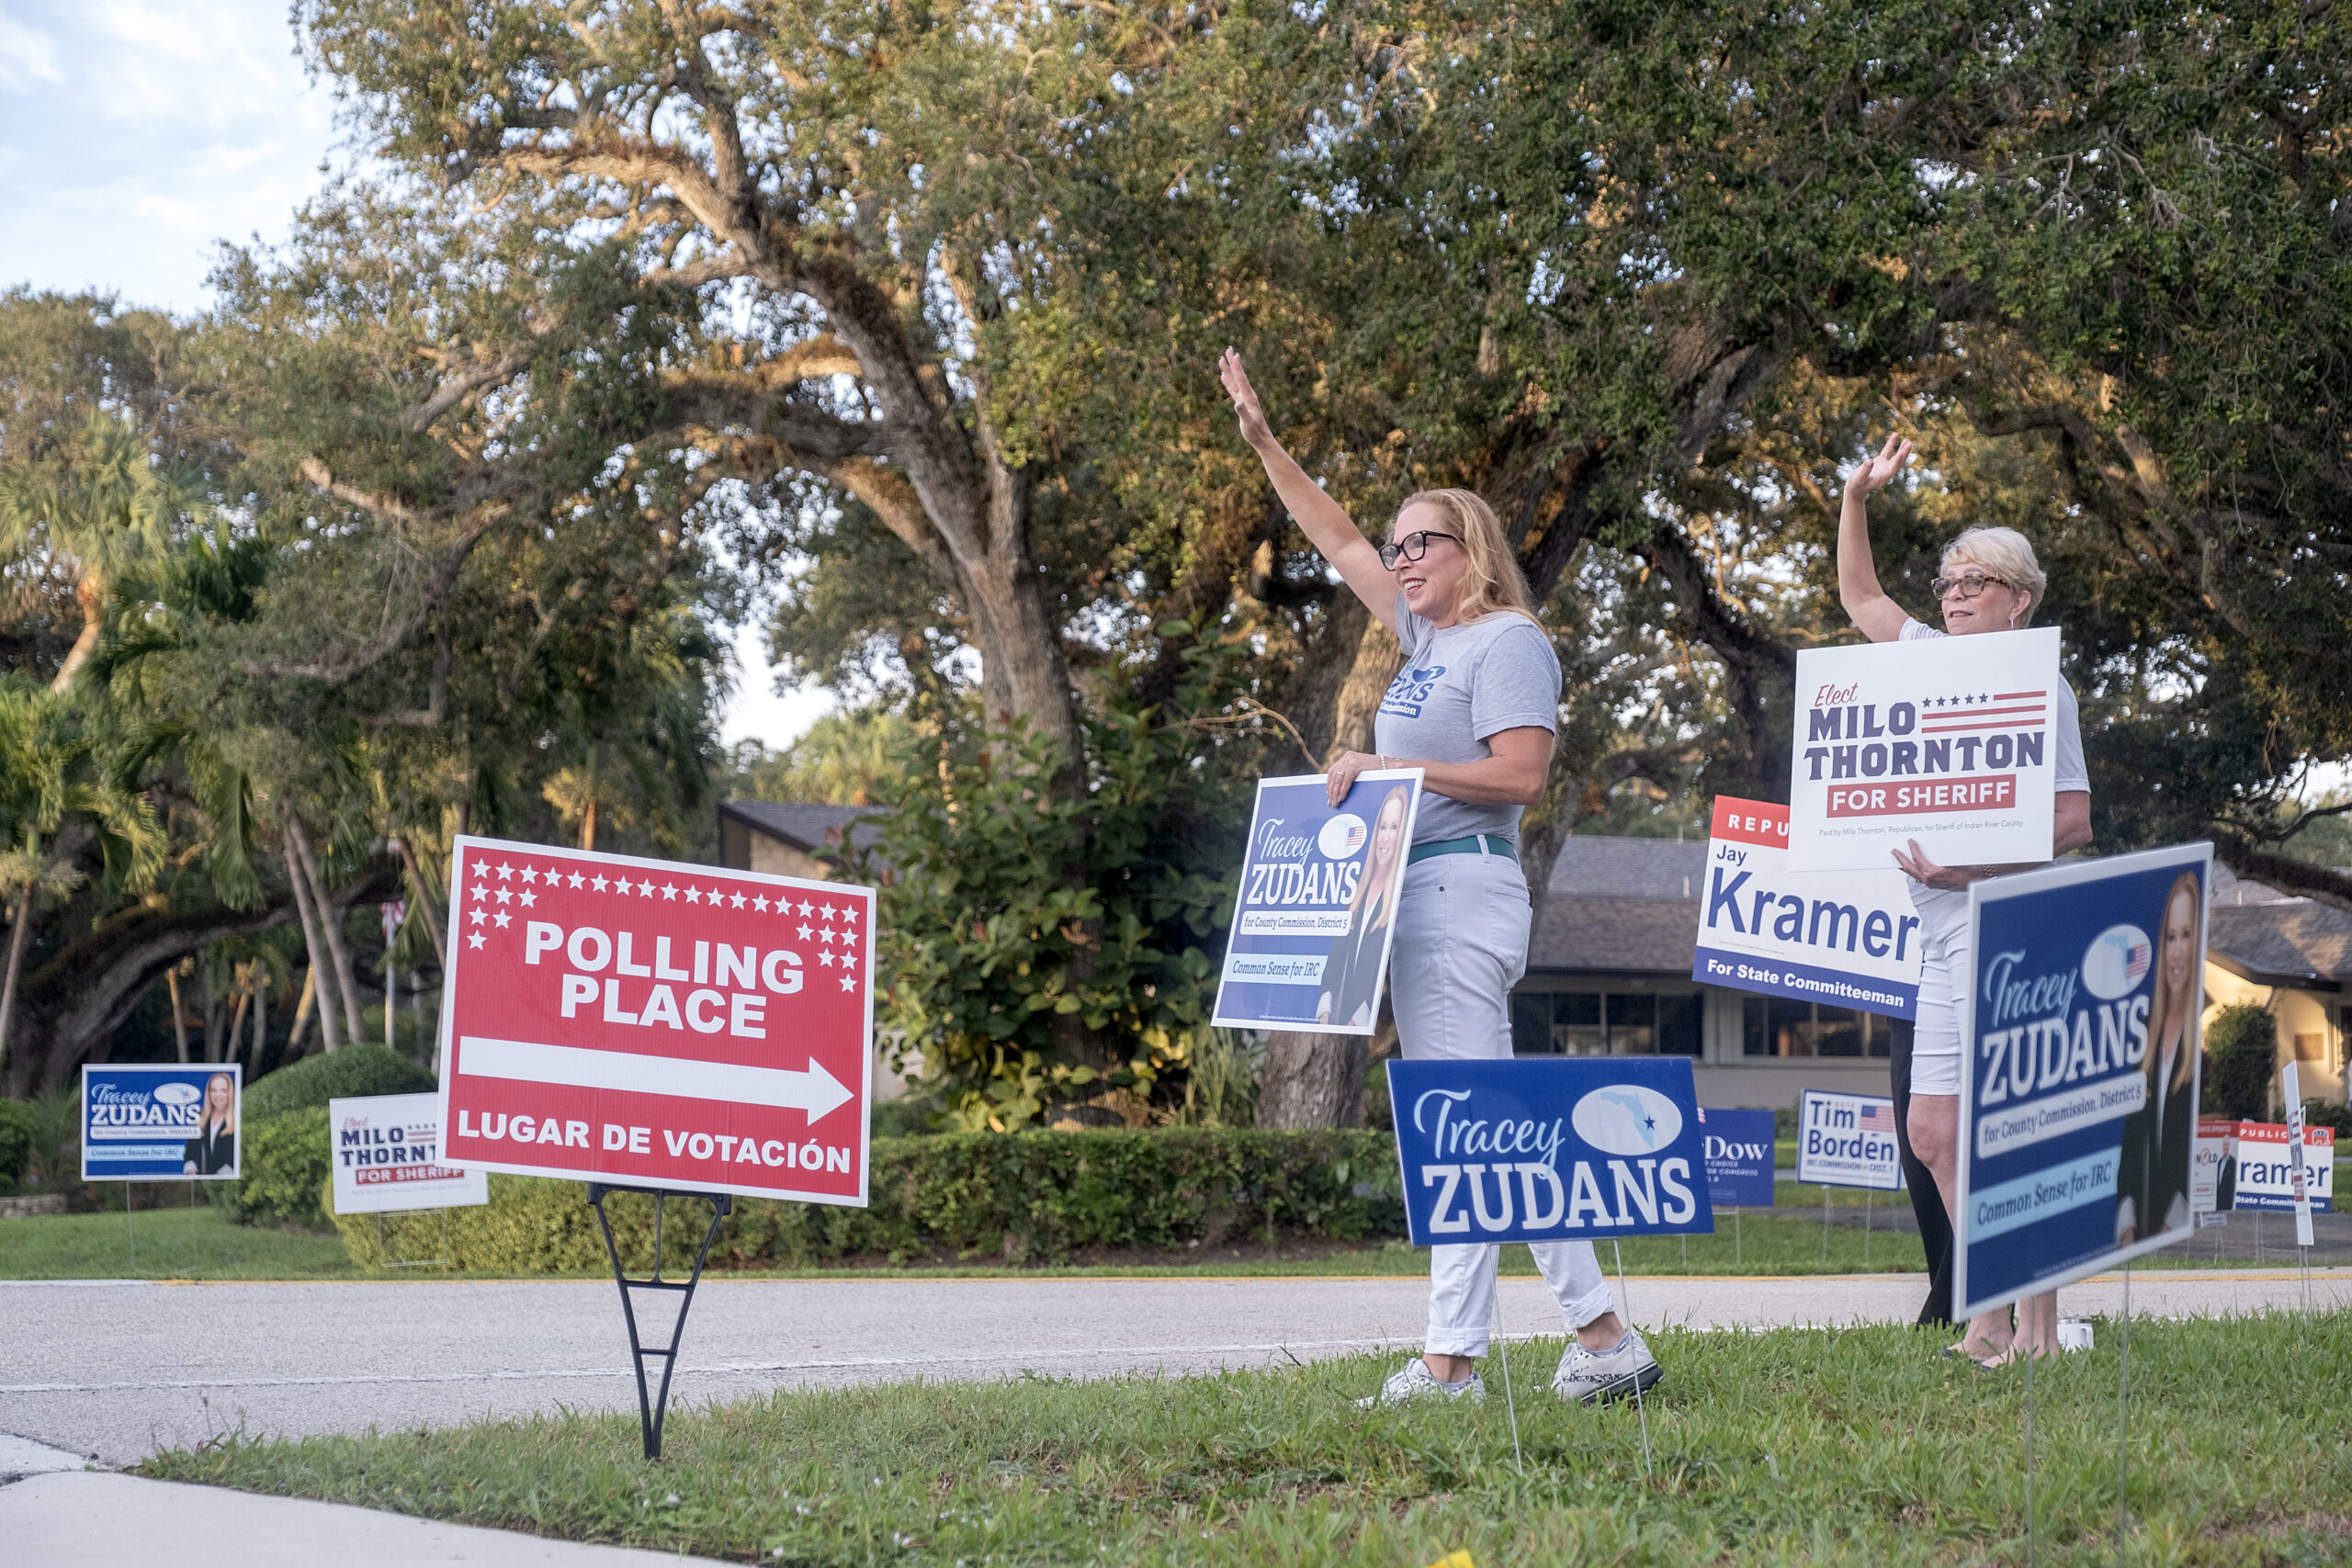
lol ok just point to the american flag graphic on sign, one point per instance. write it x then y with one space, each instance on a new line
1878 1119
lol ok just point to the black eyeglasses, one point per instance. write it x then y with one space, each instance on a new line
1969 583
1412 547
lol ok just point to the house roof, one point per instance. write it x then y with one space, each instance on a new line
1621 905
1592 865
1656 936
2290 941
812 829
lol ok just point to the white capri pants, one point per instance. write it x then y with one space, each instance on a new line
1943 976
1461 945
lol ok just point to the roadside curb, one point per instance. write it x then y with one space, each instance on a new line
101 1519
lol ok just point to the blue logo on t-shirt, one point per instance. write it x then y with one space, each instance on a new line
1410 690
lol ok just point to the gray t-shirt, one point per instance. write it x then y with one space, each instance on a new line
1459 687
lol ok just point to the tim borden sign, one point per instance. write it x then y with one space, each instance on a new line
1850 937
1549 1151
652 1024
1948 741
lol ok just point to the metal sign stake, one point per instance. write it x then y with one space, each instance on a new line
1502 1353
2124 1421
1640 1408
652 1404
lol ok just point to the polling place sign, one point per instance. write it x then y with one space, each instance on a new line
1738 1149
649 1024
2078 1090
1847 1140
1316 911
387 1154
1559 1150
176 1122
1851 938
1948 740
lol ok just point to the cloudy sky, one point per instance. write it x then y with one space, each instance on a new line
135 135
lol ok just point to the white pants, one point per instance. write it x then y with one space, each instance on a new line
1943 976
1461 945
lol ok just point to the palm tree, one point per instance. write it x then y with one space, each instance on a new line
99 507
54 795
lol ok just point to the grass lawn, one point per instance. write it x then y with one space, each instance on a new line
1797 1446
164 1244
181 1244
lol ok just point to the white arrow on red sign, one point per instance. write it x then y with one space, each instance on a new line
815 1092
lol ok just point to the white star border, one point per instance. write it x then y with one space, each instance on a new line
507 877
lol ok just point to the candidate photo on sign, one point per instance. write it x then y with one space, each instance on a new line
2151 1189
1352 972
213 1150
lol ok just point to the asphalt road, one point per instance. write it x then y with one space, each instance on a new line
119 1370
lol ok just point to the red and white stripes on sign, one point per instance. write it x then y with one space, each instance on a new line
1999 710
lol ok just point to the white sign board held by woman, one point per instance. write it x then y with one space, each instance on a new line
1950 742
1315 913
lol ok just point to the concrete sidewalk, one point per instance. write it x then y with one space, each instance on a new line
117 1370
91 1519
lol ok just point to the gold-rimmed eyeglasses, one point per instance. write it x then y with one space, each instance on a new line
1968 584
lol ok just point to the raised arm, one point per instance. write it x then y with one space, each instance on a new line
1327 527
1867 605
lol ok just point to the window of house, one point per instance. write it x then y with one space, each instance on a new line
1783 1026
1605 1023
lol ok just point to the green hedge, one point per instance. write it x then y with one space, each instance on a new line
286 1161
343 1075
286 1158
1025 1198
19 1130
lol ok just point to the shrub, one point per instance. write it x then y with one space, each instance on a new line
2328 1113
283 1171
314 1080
2240 1058
20 1130
1026 1198
286 1161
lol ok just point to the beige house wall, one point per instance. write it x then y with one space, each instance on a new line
2308 1014
778 857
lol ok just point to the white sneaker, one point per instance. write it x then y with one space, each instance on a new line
1415 1380
1588 1378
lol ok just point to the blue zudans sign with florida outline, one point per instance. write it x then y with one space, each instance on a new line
1495 1151
2079 1091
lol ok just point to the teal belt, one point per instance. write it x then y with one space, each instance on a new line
1466 846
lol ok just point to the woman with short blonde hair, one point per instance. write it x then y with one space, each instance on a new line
1990 584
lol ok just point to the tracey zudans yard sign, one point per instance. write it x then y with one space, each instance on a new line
640 1023
1549 1151
162 1123
2078 1091
1316 912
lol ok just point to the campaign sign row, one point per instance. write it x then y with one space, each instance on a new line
2251 1164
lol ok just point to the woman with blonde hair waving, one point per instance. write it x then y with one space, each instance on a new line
1990 584
1474 708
